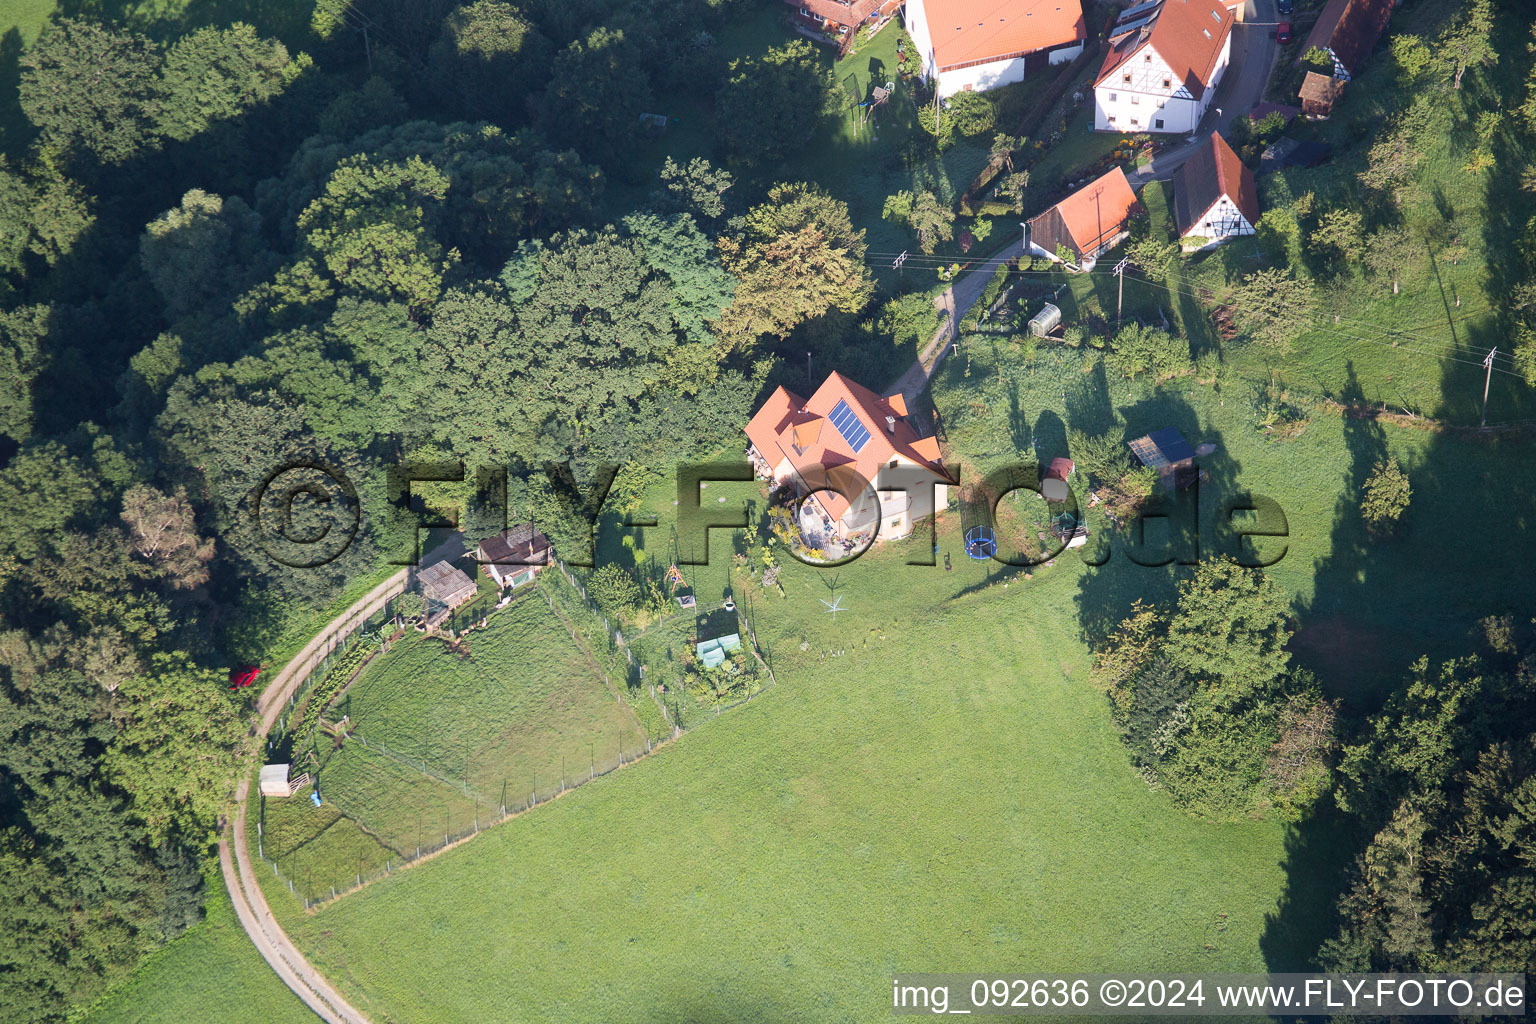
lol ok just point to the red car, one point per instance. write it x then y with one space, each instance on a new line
1283 33
243 676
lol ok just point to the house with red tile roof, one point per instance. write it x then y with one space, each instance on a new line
1089 222
976 45
841 18
1348 30
1163 63
855 457
1214 197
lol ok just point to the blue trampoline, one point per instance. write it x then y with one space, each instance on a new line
981 543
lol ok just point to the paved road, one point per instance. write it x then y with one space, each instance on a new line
235 855
1252 62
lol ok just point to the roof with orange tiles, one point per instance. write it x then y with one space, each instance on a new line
849 14
813 434
970 31
1089 217
1187 34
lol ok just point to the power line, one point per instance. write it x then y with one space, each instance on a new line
1390 337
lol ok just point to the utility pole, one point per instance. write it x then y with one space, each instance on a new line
1487 379
1120 297
899 261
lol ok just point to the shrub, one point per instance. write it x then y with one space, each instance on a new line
614 590
1386 496
973 113
1102 456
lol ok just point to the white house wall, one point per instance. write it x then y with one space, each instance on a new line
1137 105
981 77
1221 222
916 20
978 77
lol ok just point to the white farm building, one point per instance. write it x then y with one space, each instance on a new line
981 44
1165 59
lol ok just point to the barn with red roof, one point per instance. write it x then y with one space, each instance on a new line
1164 61
973 45
1214 197
841 439
1089 222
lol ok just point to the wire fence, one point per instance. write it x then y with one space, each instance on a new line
623 672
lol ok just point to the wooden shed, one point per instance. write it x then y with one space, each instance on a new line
275 781
1167 452
1319 93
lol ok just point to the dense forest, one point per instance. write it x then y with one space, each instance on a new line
220 256
422 238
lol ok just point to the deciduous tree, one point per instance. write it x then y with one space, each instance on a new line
800 257
771 105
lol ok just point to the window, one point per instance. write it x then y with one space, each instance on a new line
1111 118
1148 58
1167 83
1135 101
1135 123
1114 97
1159 122
1126 78
969 87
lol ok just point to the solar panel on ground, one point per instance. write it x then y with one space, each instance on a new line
847 424
1147 453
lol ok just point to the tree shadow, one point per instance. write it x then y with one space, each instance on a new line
1144 560
1049 438
16 132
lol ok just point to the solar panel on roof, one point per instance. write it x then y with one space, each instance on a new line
1131 12
1126 28
847 424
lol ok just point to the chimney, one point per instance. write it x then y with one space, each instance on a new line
890 424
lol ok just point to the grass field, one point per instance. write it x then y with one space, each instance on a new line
212 973
442 739
933 784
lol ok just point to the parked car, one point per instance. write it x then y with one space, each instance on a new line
1283 33
1287 7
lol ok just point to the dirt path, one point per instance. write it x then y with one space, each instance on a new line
234 854
954 302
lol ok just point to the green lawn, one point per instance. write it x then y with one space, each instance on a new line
212 973
932 785
27 17
442 740
945 795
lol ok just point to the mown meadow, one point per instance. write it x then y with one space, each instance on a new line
441 738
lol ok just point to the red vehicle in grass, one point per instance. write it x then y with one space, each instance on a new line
242 677
1283 33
